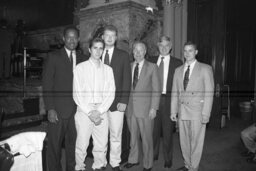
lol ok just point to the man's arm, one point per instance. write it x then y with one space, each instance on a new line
208 94
174 97
156 89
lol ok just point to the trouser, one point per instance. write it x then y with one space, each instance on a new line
192 133
248 136
163 124
141 127
115 119
85 129
56 133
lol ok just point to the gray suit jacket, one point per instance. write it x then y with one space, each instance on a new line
198 98
146 94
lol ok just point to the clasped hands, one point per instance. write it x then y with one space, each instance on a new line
204 120
94 116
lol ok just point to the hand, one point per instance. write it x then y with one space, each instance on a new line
205 119
52 116
173 117
98 121
121 107
152 114
94 116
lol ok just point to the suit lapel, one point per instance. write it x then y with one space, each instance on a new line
114 59
181 76
194 74
142 75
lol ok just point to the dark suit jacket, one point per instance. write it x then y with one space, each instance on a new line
120 64
58 83
174 63
146 94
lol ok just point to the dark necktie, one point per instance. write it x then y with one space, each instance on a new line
135 75
106 60
186 78
71 58
161 72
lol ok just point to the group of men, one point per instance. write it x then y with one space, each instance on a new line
91 99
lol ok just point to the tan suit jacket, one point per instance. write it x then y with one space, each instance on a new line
198 98
146 94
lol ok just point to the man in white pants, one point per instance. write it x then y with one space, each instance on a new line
93 92
119 61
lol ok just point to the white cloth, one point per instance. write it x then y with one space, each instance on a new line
166 70
92 85
93 89
115 122
26 143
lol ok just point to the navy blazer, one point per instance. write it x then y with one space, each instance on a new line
58 83
120 64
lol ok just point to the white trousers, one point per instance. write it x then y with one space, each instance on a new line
192 133
85 129
115 120
248 136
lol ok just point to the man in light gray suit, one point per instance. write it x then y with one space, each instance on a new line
143 103
192 98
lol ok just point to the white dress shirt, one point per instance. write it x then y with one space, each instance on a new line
93 85
73 55
140 67
166 70
191 67
110 53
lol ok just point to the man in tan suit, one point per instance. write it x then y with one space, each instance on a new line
143 103
192 97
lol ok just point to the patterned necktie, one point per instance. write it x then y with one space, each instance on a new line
186 78
71 58
135 75
106 60
161 72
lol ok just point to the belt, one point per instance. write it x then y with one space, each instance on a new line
164 95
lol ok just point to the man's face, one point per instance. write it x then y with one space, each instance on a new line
71 39
190 53
164 47
139 52
96 50
109 37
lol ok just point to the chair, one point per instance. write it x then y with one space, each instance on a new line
225 105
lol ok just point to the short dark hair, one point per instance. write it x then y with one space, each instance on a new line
110 28
66 29
190 43
96 40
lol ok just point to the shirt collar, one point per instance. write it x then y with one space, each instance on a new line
111 50
69 51
191 65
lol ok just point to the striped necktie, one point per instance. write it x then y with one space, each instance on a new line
135 75
186 78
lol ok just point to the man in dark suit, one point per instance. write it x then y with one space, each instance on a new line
143 104
57 89
120 63
166 66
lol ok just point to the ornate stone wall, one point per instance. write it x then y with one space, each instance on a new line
133 21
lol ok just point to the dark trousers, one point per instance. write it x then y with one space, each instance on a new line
57 133
163 124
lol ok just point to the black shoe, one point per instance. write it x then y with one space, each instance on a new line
247 154
167 164
100 169
182 169
117 168
144 169
129 165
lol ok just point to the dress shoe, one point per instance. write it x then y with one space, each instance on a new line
100 169
247 154
117 168
129 165
167 164
144 169
182 169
